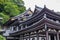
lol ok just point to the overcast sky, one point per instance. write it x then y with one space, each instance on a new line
51 4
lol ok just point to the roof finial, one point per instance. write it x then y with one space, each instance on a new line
35 5
44 6
29 8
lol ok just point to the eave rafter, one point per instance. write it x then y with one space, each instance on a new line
40 24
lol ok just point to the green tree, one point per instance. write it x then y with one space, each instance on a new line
10 8
5 17
2 38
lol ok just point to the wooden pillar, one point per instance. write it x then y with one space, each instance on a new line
54 37
57 36
29 35
46 30
47 37
21 37
17 28
21 27
12 28
37 35
26 26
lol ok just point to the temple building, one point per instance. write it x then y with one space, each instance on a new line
42 24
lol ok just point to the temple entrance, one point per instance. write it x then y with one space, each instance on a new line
53 37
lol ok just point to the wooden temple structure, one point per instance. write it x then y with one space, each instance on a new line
42 24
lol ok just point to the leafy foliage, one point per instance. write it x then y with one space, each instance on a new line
5 17
2 38
10 8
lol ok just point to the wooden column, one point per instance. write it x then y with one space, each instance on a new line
37 35
46 30
47 37
21 26
12 28
17 28
21 37
57 36
54 37
29 35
